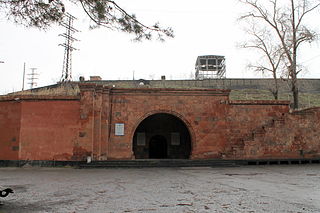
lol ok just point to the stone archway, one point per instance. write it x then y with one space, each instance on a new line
162 136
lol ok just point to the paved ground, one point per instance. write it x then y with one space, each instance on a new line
251 189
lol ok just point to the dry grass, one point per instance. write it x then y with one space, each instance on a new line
306 99
309 100
60 90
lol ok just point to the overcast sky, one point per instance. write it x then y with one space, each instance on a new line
202 27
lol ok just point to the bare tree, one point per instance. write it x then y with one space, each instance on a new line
272 54
43 13
285 19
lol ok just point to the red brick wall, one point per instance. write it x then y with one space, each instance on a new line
216 125
10 114
71 129
244 118
296 135
94 123
49 129
202 112
86 119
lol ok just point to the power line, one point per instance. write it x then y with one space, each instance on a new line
33 77
68 48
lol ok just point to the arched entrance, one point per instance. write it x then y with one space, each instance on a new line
162 136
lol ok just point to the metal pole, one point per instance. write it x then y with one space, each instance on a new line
24 74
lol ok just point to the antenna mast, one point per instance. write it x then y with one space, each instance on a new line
33 76
24 74
68 48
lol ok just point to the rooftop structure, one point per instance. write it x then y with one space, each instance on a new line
210 66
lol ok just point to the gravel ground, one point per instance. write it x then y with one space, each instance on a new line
276 188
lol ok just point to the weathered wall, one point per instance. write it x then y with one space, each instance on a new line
217 126
241 89
203 112
69 128
305 85
49 129
104 108
10 115
295 135
244 117
94 123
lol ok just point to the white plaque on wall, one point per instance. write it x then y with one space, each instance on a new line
119 129
175 138
141 138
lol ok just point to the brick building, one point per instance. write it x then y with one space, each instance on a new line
110 123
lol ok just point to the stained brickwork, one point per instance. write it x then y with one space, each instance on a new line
73 128
10 114
48 129
38 129
294 135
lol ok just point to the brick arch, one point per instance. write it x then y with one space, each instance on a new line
170 112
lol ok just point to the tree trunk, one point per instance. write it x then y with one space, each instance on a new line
275 95
295 94
294 88
276 90
293 65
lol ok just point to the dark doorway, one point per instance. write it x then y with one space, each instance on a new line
162 136
158 147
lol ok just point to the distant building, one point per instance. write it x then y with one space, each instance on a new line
210 67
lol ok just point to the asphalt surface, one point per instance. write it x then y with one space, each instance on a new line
274 188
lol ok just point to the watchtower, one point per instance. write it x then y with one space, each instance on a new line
210 66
